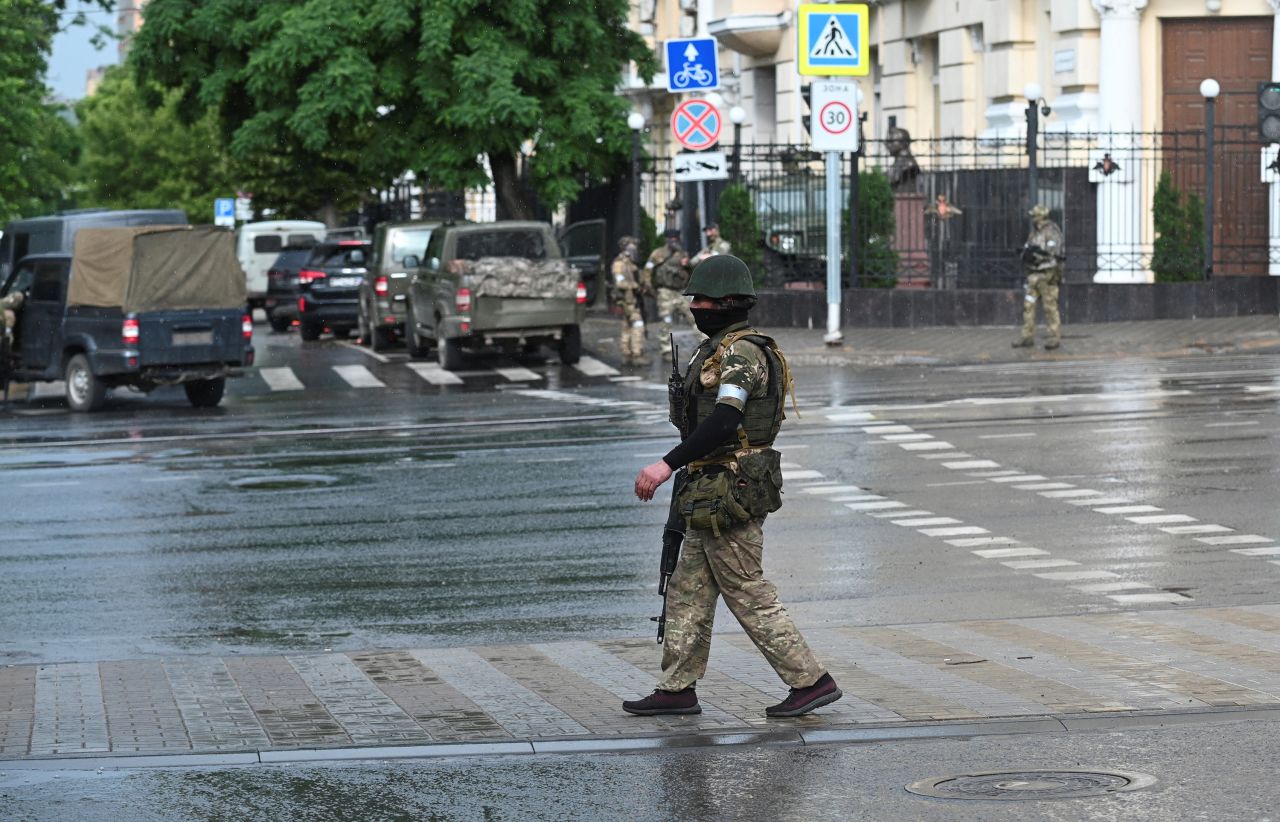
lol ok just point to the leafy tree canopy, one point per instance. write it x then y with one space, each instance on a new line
370 88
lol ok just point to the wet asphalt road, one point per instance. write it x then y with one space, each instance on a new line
363 504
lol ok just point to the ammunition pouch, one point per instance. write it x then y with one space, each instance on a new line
708 502
759 482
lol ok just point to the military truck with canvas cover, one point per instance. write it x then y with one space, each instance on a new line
499 285
138 307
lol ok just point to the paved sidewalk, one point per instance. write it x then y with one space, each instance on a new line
986 344
1036 674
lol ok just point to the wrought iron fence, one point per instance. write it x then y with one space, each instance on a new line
960 205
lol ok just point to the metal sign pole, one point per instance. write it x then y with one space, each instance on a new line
833 335
702 215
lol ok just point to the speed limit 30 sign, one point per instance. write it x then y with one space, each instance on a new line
835 121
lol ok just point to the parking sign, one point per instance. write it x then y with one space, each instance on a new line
224 211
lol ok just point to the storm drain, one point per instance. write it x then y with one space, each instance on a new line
278 482
1015 785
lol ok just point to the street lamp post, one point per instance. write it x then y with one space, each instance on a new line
1035 107
635 121
737 115
1209 89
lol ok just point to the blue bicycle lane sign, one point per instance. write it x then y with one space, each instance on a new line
692 65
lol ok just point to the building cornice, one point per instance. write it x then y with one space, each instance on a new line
1125 8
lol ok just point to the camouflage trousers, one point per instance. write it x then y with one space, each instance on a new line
671 304
729 566
632 339
1039 289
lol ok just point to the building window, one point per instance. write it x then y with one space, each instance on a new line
766 103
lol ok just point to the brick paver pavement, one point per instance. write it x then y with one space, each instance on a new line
1149 662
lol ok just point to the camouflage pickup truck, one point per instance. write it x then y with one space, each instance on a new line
501 285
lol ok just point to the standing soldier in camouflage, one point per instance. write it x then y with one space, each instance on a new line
10 303
626 295
735 388
1042 257
665 276
715 245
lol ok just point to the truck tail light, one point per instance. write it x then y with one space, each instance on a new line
309 275
463 300
380 286
129 332
582 294
302 305
246 327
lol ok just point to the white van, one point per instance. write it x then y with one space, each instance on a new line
258 245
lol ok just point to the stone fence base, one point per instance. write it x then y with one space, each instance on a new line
1078 302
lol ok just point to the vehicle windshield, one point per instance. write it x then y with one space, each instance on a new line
330 254
407 242
292 258
527 243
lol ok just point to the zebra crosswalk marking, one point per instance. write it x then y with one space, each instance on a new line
357 376
281 379
434 374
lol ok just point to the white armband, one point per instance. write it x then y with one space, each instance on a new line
731 392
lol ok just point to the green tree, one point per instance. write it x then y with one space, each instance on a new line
361 91
37 144
740 226
134 156
877 259
1178 254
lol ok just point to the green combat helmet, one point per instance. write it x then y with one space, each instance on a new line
719 276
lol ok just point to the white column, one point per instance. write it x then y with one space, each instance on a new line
1120 212
1273 206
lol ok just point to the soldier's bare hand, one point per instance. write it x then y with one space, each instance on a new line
650 477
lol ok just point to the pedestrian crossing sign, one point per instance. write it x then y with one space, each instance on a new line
833 40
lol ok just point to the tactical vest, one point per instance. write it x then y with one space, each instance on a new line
763 416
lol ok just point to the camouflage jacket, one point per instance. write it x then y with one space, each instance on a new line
625 274
720 246
11 300
1048 240
664 269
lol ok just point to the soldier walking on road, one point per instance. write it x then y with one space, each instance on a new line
626 295
665 276
734 391
1042 257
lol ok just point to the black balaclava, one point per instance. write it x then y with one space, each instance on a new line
713 320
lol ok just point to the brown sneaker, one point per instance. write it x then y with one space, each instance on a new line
803 700
1025 343
662 702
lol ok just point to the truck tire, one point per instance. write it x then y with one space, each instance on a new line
310 331
85 392
205 393
449 353
279 323
380 338
571 345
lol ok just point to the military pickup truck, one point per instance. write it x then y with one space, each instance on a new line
138 307
501 285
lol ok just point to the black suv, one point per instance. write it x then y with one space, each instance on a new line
282 286
329 287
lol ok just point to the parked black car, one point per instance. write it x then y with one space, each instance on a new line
329 287
282 286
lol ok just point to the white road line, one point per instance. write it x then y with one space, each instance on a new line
1235 539
363 350
799 475
1147 599
1018 478
629 379
874 506
1110 587
896 513
964 465
936 445
953 484
1197 529
1045 486
857 498
949 455
518 374
906 437
1269 551
281 379
834 489
1008 553
957 531
594 368
1027 564
357 376
852 416
1127 509
1076 576
1122 430
1070 493
434 374
1157 519
919 521
970 542
1005 472
48 484
1229 424
1103 501
1257 389
889 429
1006 436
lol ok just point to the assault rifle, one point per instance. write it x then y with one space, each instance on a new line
673 531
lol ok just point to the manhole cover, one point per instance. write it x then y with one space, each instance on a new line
284 481
1014 785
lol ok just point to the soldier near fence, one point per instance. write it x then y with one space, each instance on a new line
625 288
729 409
715 245
665 276
1042 257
